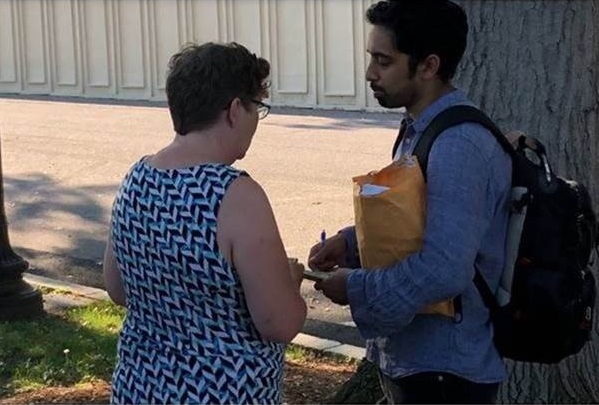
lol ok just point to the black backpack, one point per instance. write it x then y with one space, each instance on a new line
550 311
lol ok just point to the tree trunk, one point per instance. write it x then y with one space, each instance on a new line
362 387
533 65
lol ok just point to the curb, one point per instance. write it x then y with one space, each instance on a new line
308 341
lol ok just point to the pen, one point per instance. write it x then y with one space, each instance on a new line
323 237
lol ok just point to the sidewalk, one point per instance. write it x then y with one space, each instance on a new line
83 295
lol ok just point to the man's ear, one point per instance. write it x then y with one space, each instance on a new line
429 67
233 112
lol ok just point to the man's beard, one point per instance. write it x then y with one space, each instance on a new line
382 98
386 101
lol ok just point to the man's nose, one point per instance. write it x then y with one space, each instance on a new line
371 75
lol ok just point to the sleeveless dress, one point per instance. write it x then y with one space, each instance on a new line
188 336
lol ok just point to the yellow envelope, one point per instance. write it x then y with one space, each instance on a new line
390 224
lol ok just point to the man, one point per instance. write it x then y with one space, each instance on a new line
415 47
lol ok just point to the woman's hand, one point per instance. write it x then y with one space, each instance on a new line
297 270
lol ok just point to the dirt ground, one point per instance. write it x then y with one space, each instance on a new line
305 383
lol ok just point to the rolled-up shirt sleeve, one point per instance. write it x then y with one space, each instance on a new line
384 301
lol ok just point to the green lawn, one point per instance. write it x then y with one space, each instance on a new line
76 348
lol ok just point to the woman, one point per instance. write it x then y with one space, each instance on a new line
194 250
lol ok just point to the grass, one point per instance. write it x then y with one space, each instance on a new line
75 348
78 347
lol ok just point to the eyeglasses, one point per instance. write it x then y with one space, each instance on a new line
263 109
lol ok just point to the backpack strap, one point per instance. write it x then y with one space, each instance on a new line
448 118
451 117
485 292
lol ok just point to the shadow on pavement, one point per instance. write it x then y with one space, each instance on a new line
35 202
63 267
334 331
345 119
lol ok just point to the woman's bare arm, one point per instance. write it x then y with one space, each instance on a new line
112 276
249 238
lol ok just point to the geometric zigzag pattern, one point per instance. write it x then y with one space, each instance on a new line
188 336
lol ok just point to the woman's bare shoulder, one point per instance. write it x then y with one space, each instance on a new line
245 190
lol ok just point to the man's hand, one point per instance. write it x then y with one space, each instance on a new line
335 287
323 257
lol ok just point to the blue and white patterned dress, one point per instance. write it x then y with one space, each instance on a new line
188 336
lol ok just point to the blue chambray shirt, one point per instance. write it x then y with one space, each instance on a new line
468 186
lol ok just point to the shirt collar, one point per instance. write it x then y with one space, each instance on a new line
450 99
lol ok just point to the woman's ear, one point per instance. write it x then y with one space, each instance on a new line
233 112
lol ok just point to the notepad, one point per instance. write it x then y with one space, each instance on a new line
317 275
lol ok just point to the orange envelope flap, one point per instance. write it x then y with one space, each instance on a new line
398 172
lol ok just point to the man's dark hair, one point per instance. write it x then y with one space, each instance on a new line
204 79
424 27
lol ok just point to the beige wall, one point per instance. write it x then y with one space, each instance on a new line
120 48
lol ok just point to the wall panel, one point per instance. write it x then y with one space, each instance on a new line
166 39
338 48
130 45
97 47
64 46
292 46
246 27
34 46
9 76
370 102
206 21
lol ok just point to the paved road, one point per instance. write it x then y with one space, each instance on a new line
63 161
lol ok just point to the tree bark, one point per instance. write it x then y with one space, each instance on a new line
532 65
362 387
